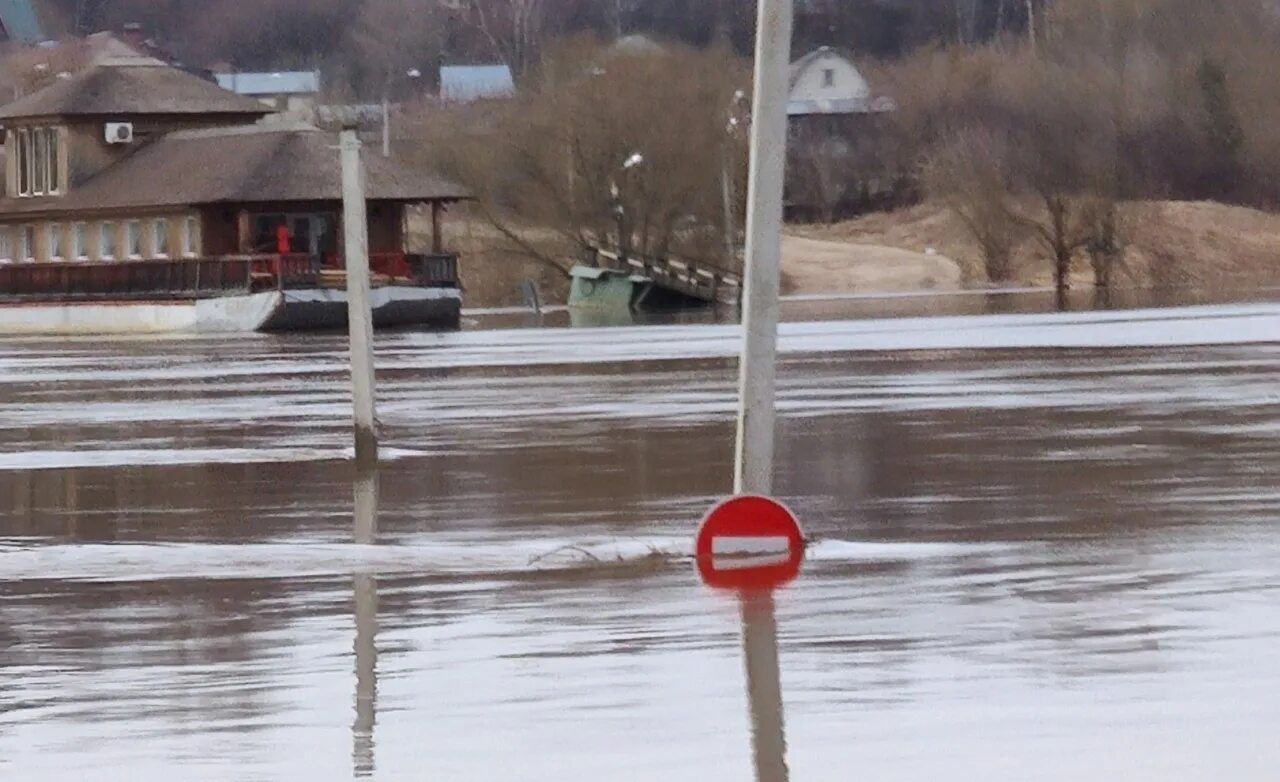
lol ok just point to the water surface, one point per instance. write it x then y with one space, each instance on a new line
1045 549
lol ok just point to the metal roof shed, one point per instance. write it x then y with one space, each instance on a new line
466 83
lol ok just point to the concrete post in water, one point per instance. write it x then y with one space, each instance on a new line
360 317
758 375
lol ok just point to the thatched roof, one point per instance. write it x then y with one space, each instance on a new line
132 87
264 163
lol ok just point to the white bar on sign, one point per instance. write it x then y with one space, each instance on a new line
730 545
744 553
746 562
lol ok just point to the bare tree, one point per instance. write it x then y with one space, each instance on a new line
578 158
971 173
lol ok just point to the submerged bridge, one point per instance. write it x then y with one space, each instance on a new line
694 281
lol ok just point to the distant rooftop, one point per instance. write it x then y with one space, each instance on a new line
275 83
132 87
475 82
18 18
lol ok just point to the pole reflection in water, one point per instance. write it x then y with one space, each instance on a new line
365 593
764 686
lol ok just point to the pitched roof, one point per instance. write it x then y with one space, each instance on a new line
130 87
279 83
264 163
18 17
474 82
801 65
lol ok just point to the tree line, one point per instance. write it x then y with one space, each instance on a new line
358 40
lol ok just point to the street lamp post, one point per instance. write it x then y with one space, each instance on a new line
732 128
619 208
412 73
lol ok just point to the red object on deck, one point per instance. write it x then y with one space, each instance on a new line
749 544
282 239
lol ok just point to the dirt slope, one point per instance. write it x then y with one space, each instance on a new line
813 266
1169 243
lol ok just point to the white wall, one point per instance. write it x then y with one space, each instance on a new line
849 84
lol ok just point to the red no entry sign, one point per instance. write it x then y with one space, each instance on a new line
749 543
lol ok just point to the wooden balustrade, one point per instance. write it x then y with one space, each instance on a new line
188 278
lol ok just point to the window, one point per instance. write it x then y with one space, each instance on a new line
24 158
53 241
27 247
6 245
160 238
829 77
106 241
190 236
79 243
133 239
39 161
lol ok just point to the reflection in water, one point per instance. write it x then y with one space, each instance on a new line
365 589
764 687
366 647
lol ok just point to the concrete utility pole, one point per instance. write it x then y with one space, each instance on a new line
355 229
753 472
758 375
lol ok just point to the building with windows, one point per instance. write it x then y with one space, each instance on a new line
133 160
836 150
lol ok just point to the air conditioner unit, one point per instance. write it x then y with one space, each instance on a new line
119 133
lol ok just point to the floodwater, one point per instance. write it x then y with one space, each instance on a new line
1045 547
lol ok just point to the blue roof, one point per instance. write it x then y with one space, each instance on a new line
474 82
20 22
279 83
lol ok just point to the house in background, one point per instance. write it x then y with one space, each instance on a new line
291 93
19 23
469 83
132 161
826 83
837 154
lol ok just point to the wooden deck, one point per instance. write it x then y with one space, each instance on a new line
194 278
699 281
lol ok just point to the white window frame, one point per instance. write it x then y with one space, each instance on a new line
23 163
78 242
39 161
190 236
160 238
53 241
27 242
54 163
107 250
133 239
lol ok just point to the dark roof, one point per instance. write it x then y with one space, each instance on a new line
253 164
131 88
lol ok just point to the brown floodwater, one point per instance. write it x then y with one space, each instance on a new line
1045 547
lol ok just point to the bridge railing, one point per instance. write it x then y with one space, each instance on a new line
698 280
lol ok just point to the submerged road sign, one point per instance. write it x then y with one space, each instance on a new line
749 543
